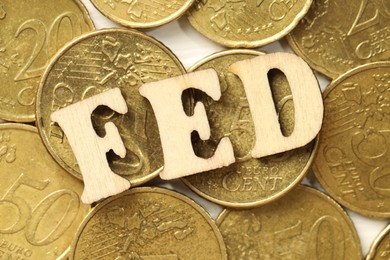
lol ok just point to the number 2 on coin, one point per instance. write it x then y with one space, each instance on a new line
44 41
358 27
30 220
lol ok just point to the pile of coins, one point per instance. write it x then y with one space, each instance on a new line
51 57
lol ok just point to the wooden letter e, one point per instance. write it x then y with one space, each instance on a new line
175 126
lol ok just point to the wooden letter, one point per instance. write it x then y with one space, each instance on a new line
176 127
90 149
306 94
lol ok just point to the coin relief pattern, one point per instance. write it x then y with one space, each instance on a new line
7 148
148 223
245 23
304 224
353 160
380 249
27 42
40 205
249 181
39 202
104 60
360 36
142 13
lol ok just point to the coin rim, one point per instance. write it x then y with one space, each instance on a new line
57 56
378 240
33 129
274 197
133 25
221 217
18 126
317 173
317 67
32 117
160 190
246 43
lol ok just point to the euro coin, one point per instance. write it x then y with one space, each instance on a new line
142 13
336 36
40 204
380 247
246 24
305 224
97 62
148 223
31 32
353 159
249 182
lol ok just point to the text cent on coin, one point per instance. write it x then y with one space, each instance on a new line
148 223
97 62
31 32
40 204
248 182
353 159
304 224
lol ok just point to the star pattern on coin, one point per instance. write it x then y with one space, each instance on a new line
123 61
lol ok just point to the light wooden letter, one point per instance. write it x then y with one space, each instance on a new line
306 95
90 149
176 127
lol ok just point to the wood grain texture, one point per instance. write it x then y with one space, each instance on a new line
306 94
175 126
90 149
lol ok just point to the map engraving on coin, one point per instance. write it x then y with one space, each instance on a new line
244 23
92 64
142 13
248 182
336 36
353 160
148 223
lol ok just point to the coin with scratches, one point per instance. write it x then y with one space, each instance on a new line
142 13
31 32
148 223
246 23
336 36
304 224
353 159
40 205
91 64
249 182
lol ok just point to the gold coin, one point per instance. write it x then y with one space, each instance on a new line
305 224
40 204
96 62
248 182
148 223
336 36
353 160
380 249
31 32
244 23
142 13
